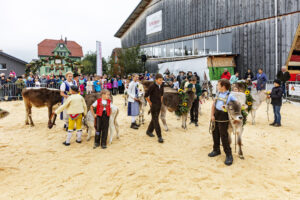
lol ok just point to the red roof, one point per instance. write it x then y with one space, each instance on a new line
47 46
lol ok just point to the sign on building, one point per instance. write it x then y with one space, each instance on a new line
154 23
294 89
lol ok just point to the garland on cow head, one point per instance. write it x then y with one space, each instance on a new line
183 106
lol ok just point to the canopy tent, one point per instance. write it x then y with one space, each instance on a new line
198 65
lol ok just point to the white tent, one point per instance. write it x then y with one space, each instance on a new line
198 65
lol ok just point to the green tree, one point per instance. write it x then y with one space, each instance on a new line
89 63
130 61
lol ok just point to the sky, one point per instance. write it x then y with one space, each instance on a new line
25 23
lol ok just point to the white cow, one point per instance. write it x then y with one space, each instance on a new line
113 123
258 97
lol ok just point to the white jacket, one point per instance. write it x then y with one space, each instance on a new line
131 91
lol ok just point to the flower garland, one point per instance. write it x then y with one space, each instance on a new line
249 100
183 106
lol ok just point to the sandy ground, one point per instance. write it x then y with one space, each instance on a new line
35 165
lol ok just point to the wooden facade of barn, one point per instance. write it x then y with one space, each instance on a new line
260 33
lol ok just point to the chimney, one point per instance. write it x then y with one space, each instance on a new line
66 40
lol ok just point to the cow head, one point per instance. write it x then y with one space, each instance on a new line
234 110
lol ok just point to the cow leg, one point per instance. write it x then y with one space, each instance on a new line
253 112
116 124
184 118
27 112
239 134
49 114
199 109
111 128
163 112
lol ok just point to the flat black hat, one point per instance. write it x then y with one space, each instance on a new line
74 88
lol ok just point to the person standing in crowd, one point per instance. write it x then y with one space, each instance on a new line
37 83
154 97
234 78
2 86
103 108
220 118
226 74
43 81
180 77
151 77
249 75
76 109
115 86
133 102
20 84
276 101
97 84
283 76
51 82
60 74
261 80
176 84
195 106
198 78
109 85
89 86
65 92
81 84
120 86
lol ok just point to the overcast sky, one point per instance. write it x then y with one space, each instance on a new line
25 23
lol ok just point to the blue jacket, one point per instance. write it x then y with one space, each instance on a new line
261 81
96 86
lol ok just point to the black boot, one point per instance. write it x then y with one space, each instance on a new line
214 153
138 125
149 134
133 126
160 140
228 160
97 141
272 124
103 146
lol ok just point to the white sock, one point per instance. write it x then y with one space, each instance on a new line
132 119
79 133
69 135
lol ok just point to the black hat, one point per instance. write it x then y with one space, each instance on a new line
74 88
19 77
277 81
75 75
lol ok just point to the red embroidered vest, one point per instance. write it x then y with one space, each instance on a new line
100 107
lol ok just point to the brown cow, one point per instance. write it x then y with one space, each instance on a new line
171 101
40 97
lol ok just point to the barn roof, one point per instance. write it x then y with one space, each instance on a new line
12 58
46 47
132 17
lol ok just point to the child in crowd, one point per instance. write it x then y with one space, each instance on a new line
109 85
76 108
37 83
115 86
105 86
276 101
89 85
97 84
81 84
103 108
120 86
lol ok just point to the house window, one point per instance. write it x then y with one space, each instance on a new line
188 47
178 49
199 46
225 42
162 51
211 44
2 66
170 50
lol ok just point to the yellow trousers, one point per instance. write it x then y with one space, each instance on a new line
77 121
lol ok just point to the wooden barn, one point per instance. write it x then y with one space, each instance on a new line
257 33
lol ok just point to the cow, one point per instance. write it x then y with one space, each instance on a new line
89 120
258 98
235 127
207 89
40 97
171 101
3 113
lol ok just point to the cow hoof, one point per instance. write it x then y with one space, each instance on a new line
242 157
32 125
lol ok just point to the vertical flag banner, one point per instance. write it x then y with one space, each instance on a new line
99 58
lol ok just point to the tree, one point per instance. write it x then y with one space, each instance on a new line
130 61
89 63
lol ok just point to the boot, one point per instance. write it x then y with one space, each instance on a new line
272 124
133 126
214 153
160 140
138 125
149 134
97 141
228 160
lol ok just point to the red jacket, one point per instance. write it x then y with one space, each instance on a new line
226 76
100 107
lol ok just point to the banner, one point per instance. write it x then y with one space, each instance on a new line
294 89
154 23
99 58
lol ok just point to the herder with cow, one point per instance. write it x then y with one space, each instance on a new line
65 92
220 117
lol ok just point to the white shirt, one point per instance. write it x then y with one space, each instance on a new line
104 102
63 85
131 91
